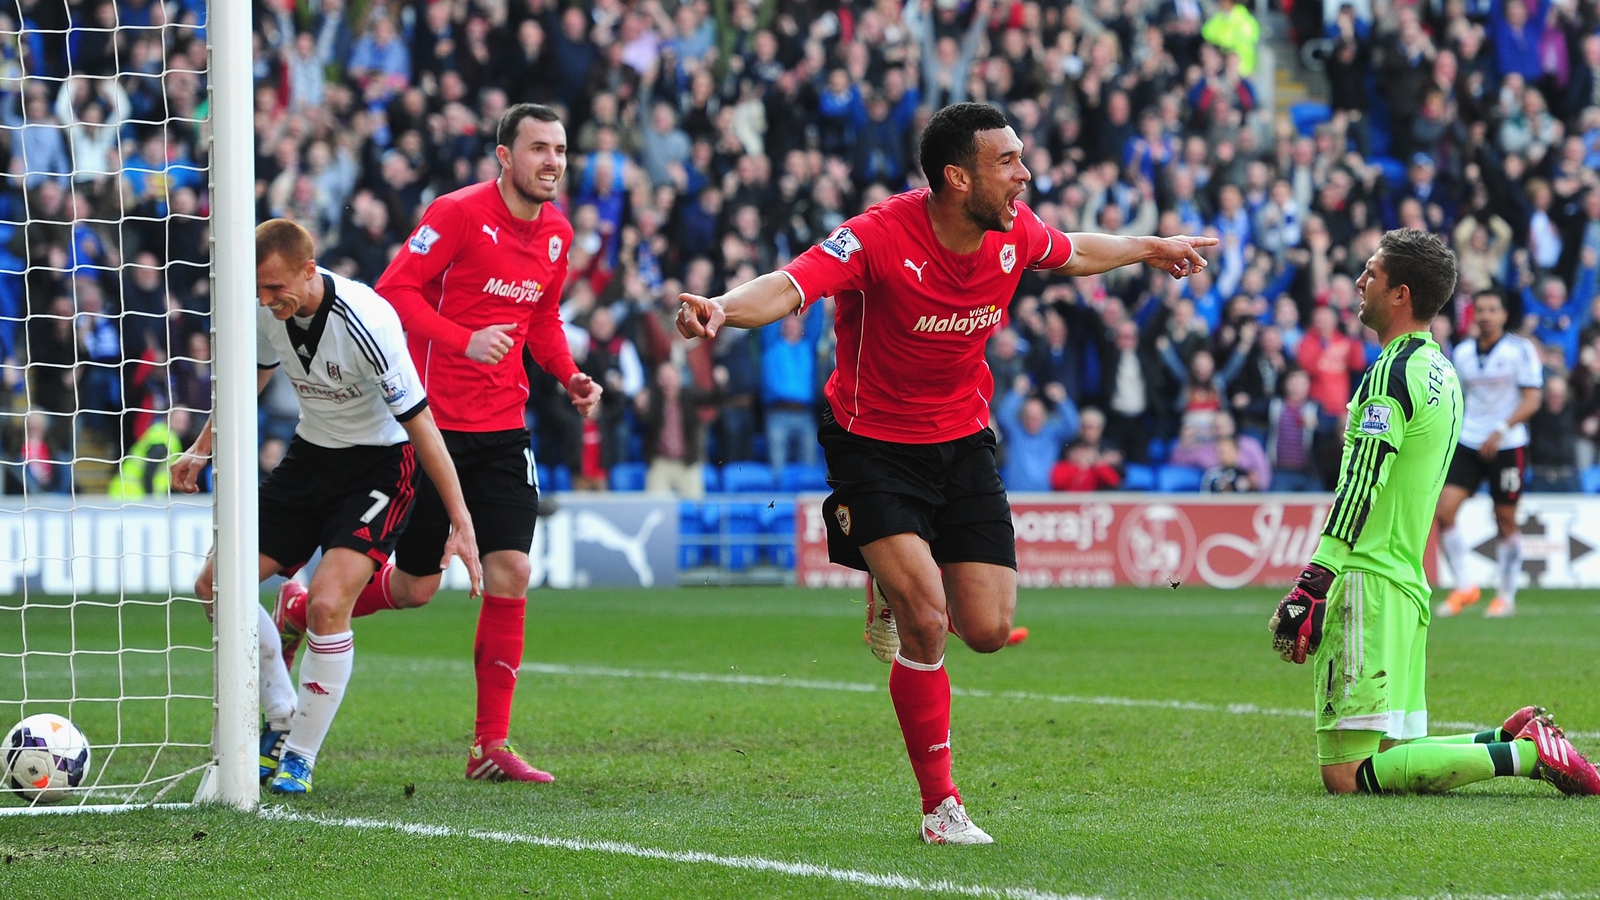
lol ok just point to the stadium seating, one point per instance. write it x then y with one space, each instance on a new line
1159 451
777 523
1591 480
690 528
712 476
798 477
1138 477
1178 479
747 478
1308 114
627 476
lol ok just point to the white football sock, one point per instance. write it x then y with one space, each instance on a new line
277 691
323 678
1509 554
1455 553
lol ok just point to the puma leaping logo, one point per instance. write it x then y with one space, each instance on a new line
494 235
508 667
917 269
595 528
946 745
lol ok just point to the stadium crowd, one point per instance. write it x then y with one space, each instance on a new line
712 140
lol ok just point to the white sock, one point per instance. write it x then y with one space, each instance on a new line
277 691
323 678
1455 553
1509 554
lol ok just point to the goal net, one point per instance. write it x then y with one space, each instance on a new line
106 340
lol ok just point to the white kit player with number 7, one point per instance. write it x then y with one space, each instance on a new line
346 484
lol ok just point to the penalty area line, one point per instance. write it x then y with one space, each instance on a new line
691 857
862 687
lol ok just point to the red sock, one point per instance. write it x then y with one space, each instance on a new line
375 596
496 656
921 696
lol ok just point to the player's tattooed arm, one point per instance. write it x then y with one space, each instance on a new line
1094 253
750 305
186 471
435 458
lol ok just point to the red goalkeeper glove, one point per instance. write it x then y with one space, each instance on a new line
1297 624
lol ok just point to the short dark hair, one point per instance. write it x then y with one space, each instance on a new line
951 138
1423 263
1490 292
505 134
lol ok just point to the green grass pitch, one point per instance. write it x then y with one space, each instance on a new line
740 743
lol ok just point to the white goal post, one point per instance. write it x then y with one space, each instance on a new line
98 618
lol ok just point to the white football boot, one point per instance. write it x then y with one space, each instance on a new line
949 824
881 633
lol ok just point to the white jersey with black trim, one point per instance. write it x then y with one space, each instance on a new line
1491 386
349 365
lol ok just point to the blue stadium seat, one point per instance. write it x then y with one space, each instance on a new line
1308 114
1591 480
1394 171
1138 478
1178 479
690 553
777 522
798 477
712 476
626 476
561 478
747 478
546 479
1158 451
743 521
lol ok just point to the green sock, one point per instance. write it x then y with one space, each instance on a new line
1436 766
1492 736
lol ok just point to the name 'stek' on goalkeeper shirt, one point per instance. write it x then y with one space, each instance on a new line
468 265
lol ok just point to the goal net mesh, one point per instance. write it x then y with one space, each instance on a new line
105 318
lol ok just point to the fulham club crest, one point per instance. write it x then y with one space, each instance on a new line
333 372
1008 258
842 513
555 248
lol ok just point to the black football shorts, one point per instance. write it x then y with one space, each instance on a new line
502 493
1468 469
355 497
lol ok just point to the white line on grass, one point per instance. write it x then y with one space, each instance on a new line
747 863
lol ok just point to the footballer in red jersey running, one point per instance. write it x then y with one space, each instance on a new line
479 279
921 281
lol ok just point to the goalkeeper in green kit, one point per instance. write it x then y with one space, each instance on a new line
1360 609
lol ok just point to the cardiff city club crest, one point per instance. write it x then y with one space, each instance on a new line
842 513
555 248
1008 258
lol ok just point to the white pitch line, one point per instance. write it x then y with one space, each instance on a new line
746 863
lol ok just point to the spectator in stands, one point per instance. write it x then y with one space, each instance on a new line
1033 436
1553 440
1201 396
1198 449
674 442
1259 377
1556 318
1291 428
1235 29
1085 469
1052 360
1481 250
99 358
146 469
1330 358
43 470
380 60
789 387
1129 375
1004 356
1227 476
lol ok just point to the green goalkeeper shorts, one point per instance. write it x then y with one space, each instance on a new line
1370 669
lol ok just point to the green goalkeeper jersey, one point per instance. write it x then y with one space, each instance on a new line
1404 421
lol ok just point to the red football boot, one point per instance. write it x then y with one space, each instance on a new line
1560 763
289 614
1520 719
502 764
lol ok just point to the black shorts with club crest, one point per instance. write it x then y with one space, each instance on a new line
354 497
1468 469
949 493
499 483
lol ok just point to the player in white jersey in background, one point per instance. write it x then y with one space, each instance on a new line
345 485
1502 382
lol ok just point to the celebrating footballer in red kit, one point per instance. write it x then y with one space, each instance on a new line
478 280
921 281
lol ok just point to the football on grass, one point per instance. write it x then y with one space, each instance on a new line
45 756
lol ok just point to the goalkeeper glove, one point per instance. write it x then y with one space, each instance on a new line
1297 624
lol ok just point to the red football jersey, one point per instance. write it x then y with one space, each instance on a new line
471 264
913 317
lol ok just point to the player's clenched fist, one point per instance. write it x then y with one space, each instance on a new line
585 393
699 316
490 345
1297 625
